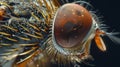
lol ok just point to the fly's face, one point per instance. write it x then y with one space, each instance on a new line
73 29
72 24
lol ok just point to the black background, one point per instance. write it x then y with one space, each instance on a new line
110 10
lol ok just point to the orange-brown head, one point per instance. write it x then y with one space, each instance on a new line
71 25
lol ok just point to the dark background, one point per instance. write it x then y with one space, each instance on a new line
110 10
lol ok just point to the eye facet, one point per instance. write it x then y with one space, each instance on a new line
71 25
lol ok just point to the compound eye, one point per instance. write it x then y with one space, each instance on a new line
71 25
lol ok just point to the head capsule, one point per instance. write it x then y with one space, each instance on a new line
71 25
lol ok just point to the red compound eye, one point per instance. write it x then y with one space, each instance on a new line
71 25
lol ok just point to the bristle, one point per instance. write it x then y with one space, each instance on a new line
8 27
34 27
38 33
4 44
32 35
11 39
4 33
5 54
52 6
24 45
10 57
30 56
26 52
12 50
35 18
47 6
83 3
23 38
56 3
56 55
26 29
